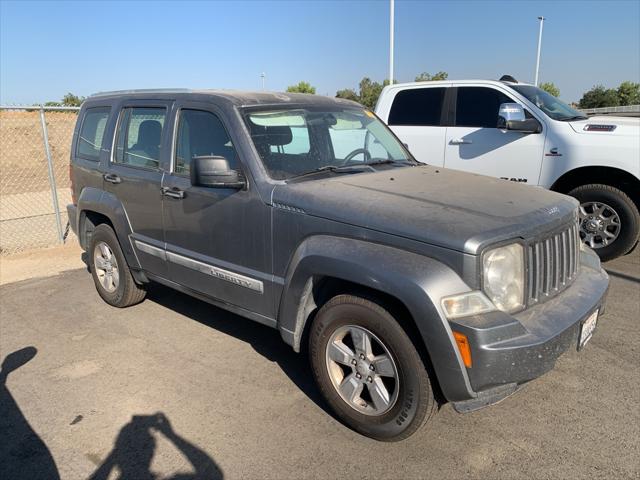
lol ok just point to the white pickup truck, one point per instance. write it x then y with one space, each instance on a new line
519 132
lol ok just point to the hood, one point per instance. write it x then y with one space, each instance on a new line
448 208
624 126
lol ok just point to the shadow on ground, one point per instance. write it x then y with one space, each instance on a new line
135 446
23 454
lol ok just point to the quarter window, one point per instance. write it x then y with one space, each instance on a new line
92 132
478 106
201 134
417 106
139 136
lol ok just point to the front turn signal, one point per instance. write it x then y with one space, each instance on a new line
463 348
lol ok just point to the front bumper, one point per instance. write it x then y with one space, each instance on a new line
513 349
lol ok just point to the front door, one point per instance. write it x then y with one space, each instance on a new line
217 239
135 175
475 144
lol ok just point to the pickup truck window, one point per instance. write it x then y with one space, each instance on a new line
295 141
418 106
478 107
91 133
550 105
138 137
201 133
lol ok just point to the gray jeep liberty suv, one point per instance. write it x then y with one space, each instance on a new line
306 213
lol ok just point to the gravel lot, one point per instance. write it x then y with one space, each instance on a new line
175 388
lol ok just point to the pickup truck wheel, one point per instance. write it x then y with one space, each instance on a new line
368 370
609 220
110 271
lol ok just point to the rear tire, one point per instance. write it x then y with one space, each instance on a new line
592 198
110 271
392 398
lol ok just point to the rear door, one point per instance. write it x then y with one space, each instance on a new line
140 149
418 117
475 144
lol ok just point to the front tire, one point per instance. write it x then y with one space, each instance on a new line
368 370
110 271
609 220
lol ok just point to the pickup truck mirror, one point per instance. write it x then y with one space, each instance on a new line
214 172
511 116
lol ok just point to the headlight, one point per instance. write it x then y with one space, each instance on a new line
503 270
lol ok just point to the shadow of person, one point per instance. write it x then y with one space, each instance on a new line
23 454
135 446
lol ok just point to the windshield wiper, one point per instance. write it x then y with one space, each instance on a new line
334 169
390 161
575 117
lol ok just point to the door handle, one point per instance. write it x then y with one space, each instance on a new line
172 192
460 141
111 178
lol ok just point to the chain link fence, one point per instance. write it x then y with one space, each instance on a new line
35 147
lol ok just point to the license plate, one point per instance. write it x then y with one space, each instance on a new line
586 331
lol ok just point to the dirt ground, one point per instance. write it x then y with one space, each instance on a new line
175 388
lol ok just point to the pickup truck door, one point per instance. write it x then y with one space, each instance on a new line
218 240
474 144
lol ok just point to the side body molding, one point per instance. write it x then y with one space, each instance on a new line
417 281
105 203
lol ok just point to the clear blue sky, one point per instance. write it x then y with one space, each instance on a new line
50 48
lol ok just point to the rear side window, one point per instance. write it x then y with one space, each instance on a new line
201 134
417 106
139 135
92 132
478 106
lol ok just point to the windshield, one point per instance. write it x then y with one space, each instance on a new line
553 107
296 141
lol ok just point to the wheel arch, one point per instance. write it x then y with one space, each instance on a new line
614 177
408 283
96 207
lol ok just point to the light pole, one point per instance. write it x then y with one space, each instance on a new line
262 76
391 21
539 46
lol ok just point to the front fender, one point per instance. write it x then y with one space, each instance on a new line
99 201
417 281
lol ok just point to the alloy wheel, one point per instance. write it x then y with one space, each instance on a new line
362 370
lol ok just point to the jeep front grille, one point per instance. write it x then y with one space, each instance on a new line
552 264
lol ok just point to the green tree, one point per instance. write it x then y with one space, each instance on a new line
629 93
71 100
599 97
369 92
52 104
348 94
302 87
427 77
550 88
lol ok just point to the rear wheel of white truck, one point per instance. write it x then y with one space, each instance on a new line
609 220
368 370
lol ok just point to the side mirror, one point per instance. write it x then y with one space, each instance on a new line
511 116
214 172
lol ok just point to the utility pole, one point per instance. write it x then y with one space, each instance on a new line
262 76
391 22
539 47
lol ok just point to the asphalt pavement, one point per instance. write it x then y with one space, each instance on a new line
176 388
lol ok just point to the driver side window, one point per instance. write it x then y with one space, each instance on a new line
201 133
